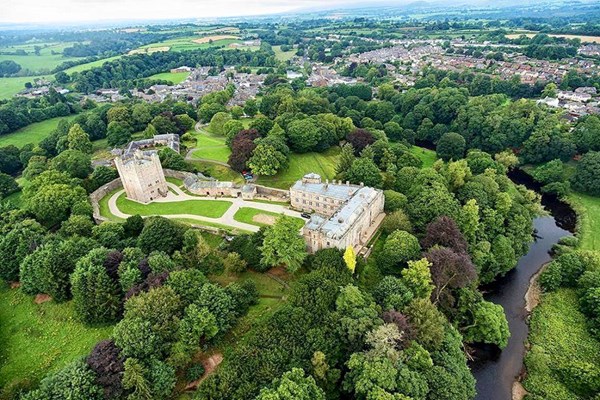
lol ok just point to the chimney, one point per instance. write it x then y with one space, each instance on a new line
362 184
347 183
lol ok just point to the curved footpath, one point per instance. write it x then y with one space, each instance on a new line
225 219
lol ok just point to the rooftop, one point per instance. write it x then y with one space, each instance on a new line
337 191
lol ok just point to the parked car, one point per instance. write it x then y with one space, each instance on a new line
305 215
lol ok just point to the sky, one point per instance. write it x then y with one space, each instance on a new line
49 11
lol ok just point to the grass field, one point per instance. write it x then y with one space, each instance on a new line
219 172
174 78
283 55
588 212
558 336
185 43
584 39
203 208
33 133
40 338
247 215
42 63
90 65
13 85
427 156
211 147
301 164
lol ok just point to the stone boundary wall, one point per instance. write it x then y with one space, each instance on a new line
99 193
171 173
272 193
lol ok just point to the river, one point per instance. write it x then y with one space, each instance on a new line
496 370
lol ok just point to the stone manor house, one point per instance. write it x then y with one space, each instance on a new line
344 215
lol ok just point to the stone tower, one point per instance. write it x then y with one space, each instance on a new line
142 176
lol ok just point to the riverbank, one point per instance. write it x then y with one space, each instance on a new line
558 333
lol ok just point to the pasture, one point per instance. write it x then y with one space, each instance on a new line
174 78
40 338
584 39
33 133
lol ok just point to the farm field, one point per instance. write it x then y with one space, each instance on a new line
33 133
90 65
584 39
203 208
186 43
40 338
174 78
301 164
13 85
44 62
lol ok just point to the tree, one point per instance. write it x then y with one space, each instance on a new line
587 134
428 323
293 385
73 162
399 248
76 381
392 294
160 234
359 139
394 200
53 203
417 277
108 365
444 232
303 135
489 325
79 140
350 258
218 121
550 90
8 185
346 159
451 146
97 297
219 303
358 315
449 270
250 108
117 134
364 170
23 238
586 178
234 264
152 380
395 221
267 160
242 147
550 172
150 131
282 245
262 125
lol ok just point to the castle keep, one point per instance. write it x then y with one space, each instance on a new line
344 215
142 176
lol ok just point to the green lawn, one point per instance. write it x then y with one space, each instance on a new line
226 228
33 133
90 65
247 214
174 78
219 172
283 55
588 213
40 338
45 62
210 146
558 336
203 208
427 156
301 164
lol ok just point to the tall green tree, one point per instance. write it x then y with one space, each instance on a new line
283 245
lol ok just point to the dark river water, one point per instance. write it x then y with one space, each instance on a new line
496 370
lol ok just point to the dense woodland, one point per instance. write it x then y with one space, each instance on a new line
398 325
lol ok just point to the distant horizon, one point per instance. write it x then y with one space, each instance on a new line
48 13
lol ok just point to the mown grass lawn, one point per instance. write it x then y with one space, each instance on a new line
302 164
211 146
247 214
40 338
174 78
558 336
588 215
33 133
203 208
427 156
